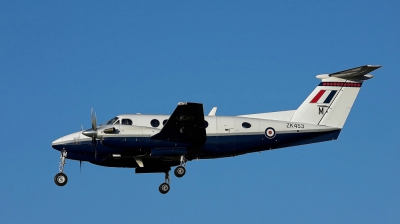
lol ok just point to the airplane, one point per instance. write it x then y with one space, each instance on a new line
155 143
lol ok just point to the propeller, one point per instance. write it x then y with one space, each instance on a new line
94 120
94 128
93 132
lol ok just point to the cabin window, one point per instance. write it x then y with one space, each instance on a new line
155 123
246 125
165 121
126 122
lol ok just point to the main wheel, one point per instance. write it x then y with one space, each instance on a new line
164 188
61 179
180 171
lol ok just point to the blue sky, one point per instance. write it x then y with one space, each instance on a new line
60 58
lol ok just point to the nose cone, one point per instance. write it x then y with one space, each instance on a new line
71 139
57 142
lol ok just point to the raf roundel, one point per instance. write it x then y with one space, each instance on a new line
270 133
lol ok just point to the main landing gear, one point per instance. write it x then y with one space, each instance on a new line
164 187
179 172
61 179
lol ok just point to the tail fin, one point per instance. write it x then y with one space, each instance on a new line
331 101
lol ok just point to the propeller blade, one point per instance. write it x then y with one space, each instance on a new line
94 120
94 145
80 166
93 133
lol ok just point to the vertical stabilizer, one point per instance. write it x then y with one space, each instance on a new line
331 101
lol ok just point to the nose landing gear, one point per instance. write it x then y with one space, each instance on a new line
61 179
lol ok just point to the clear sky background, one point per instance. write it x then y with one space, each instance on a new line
60 58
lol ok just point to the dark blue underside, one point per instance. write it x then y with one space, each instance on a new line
215 146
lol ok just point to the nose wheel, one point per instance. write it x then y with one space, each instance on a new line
60 178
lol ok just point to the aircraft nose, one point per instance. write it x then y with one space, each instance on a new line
56 143
71 139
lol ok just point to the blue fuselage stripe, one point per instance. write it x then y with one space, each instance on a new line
215 146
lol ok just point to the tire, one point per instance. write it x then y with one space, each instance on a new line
60 179
180 171
164 188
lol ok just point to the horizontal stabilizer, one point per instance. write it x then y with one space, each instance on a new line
354 74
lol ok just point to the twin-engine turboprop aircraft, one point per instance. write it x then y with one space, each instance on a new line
155 143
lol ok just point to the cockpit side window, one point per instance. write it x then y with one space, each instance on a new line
117 122
126 122
112 120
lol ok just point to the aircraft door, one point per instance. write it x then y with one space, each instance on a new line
125 125
129 135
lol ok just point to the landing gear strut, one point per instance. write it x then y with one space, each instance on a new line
164 187
180 170
61 179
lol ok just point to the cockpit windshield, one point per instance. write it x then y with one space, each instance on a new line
112 120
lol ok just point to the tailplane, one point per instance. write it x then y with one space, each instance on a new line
331 101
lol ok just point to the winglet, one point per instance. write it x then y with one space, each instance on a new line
213 112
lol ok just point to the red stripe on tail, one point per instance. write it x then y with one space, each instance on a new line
316 98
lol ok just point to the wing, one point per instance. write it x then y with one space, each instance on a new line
359 73
185 125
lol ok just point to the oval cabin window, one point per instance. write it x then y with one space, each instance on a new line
246 125
164 122
155 123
